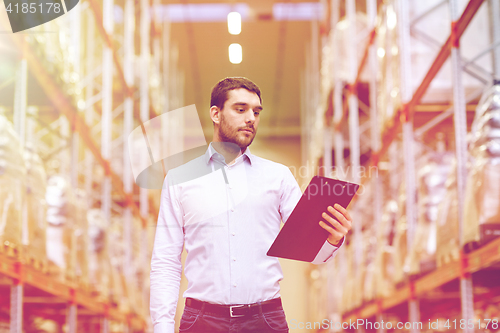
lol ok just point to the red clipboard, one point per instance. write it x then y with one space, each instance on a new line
302 237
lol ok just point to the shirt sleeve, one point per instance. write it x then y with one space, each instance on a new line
326 253
166 267
290 196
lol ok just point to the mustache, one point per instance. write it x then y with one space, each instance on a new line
247 128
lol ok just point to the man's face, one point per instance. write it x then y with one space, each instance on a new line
239 118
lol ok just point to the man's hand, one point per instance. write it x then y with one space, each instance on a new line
341 226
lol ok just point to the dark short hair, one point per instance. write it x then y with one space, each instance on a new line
220 90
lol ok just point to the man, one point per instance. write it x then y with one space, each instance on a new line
225 207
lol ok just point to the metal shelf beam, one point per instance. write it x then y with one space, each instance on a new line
477 260
63 290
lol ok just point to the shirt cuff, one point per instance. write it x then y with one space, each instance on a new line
337 247
326 253
164 328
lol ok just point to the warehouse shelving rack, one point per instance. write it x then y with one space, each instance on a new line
401 123
30 284
470 263
58 292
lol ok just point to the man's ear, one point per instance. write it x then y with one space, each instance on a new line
215 114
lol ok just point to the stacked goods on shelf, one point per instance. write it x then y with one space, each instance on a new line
335 288
364 278
317 297
34 238
57 56
135 283
321 297
388 97
429 32
369 240
390 252
357 291
400 239
447 243
12 189
99 266
435 236
432 170
384 260
143 278
339 62
348 302
81 239
118 287
359 288
482 209
431 192
62 221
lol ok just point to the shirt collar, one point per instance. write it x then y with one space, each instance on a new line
211 151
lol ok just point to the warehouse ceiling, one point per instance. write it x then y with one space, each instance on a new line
273 57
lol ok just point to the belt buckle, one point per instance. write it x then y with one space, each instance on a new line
231 311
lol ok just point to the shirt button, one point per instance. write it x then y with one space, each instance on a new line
234 285
230 186
234 259
233 233
232 209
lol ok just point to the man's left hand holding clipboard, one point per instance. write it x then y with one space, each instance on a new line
337 228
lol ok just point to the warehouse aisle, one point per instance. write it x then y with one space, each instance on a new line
99 99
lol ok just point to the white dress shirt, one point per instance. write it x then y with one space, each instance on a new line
227 217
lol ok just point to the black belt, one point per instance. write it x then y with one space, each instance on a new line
233 311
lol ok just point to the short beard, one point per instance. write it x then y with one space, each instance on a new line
225 135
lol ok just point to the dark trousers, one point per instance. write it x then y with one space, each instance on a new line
199 321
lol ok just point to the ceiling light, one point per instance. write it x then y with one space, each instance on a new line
235 53
234 23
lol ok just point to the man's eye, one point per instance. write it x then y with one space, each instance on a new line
241 110
256 113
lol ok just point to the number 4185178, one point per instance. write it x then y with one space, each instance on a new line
33 8
470 324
